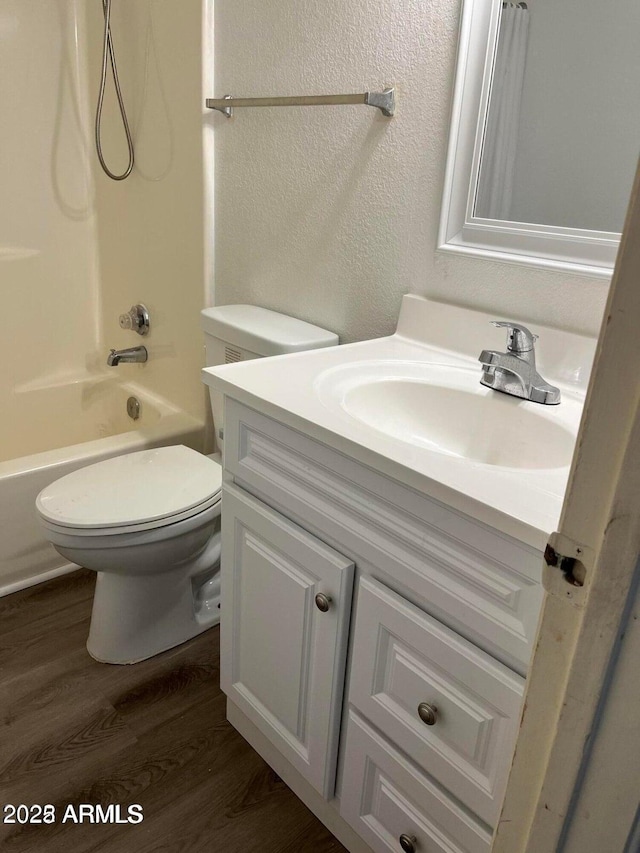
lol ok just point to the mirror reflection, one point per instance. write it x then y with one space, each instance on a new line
562 132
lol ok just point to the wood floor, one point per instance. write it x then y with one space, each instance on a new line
75 731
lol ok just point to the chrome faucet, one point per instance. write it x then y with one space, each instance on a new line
514 372
132 354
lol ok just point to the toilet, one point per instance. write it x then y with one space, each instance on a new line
148 522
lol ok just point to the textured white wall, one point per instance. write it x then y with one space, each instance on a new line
331 213
580 124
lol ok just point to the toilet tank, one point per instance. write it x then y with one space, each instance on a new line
240 332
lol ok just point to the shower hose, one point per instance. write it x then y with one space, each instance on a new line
108 52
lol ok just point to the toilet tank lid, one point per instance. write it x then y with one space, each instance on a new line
262 331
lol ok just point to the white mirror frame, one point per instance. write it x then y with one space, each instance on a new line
573 250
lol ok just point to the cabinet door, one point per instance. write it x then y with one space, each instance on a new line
282 657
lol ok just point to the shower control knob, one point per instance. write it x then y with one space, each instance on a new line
323 602
137 319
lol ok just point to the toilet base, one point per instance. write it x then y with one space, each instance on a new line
135 617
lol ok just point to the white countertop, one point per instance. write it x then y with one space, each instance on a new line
524 503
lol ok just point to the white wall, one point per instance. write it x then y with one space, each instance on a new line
580 123
331 213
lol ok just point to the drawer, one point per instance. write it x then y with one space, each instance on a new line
384 797
484 585
402 659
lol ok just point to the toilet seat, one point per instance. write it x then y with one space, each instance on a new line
135 492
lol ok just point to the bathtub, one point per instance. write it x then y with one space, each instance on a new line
62 428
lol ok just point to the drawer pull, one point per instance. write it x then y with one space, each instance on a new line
428 713
408 843
323 602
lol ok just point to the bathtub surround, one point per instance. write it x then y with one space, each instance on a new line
49 273
151 226
332 214
77 250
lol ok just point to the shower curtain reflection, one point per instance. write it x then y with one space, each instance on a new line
495 184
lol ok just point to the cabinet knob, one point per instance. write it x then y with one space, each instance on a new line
428 713
408 843
323 602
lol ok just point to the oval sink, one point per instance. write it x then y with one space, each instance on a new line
445 409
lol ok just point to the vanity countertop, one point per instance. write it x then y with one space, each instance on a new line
522 502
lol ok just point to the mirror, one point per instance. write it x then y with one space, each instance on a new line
545 132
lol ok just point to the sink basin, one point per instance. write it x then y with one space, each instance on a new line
410 408
443 408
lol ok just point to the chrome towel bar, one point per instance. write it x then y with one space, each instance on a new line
384 101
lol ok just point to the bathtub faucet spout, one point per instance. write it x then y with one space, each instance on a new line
132 354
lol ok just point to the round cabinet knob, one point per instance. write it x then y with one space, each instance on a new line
428 713
408 843
323 602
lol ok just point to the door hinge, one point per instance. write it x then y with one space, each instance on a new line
571 566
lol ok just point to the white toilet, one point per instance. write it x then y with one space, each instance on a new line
147 522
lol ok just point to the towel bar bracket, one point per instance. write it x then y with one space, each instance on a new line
228 111
385 101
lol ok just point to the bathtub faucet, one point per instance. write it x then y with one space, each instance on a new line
132 354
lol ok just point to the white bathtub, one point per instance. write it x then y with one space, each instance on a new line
62 428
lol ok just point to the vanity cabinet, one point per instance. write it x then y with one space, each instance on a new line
433 651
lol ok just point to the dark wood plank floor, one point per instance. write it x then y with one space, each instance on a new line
76 731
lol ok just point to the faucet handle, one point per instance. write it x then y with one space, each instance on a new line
137 319
519 338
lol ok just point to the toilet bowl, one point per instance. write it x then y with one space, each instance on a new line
147 523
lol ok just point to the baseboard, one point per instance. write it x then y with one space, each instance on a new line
25 583
327 812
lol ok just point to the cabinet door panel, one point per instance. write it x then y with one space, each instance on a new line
406 658
283 659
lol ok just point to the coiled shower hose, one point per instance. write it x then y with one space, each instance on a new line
108 52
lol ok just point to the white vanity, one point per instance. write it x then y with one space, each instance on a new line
384 518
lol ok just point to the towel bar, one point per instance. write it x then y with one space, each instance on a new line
384 101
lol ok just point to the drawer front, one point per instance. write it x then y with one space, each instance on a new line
403 659
383 797
282 658
483 584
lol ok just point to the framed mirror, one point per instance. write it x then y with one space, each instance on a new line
545 132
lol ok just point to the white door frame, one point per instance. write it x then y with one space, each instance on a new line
600 529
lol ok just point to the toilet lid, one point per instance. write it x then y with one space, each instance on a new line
138 488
